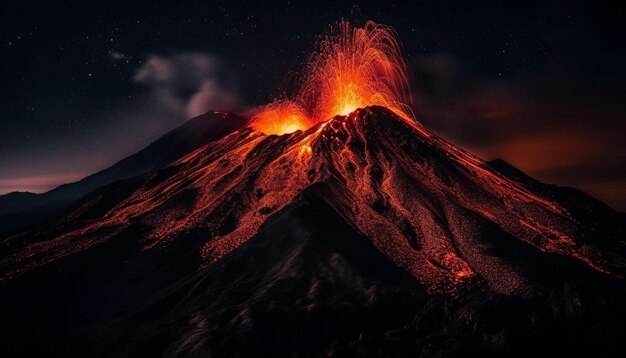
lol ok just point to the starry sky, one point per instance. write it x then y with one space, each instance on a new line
540 84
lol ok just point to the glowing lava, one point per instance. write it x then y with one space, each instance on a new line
352 68
281 117
355 68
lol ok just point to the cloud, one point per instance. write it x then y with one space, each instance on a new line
210 96
191 83
118 56
560 129
175 87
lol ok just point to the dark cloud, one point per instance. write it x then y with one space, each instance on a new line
562 130
191 83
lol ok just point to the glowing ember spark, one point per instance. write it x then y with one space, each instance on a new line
352 68
355 68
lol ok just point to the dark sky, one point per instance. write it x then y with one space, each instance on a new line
539 84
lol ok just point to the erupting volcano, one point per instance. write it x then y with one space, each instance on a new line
353 67
329 224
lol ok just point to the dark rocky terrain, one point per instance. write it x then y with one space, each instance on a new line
363 236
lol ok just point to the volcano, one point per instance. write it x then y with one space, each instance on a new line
364 235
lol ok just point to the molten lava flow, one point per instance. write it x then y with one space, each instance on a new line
281 117
352 68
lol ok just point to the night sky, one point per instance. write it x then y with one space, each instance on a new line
539 84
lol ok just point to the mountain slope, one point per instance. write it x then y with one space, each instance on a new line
298 288
403 243
423 202
19 209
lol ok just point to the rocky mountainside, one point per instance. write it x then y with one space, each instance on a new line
363 236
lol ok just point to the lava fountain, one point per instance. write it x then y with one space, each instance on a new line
353 67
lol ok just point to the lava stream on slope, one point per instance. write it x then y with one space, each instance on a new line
423 202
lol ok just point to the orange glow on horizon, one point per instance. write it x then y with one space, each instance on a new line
353 67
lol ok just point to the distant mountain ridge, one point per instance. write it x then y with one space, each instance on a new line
18 209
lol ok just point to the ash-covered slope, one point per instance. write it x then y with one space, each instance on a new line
402 241
22 209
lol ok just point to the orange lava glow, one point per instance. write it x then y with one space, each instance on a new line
353 67
281 117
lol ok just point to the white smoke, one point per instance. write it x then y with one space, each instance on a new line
190 83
